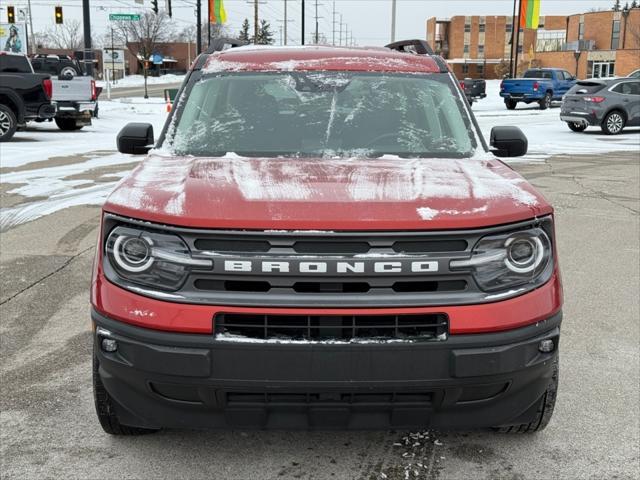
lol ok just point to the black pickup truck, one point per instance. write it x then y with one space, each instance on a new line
24 95
474 90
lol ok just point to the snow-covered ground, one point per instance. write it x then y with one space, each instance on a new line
58 170
138 80
54 170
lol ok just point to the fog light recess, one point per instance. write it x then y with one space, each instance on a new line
109 345
546 346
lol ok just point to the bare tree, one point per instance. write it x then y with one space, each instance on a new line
143 36
188 33
67 36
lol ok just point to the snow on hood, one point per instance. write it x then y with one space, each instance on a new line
325 193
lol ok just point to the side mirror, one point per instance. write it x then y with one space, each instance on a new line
135 138
508 142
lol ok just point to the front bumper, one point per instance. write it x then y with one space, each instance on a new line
163 379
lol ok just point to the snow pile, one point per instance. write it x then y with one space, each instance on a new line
138 81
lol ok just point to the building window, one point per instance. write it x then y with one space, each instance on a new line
466 49
581 31
541 21
480 50
465 68
467 27
509 27
519 48
480 69
615 35
482 27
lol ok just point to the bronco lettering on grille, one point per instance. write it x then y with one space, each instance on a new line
331 268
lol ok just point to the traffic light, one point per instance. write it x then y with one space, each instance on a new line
11 14
59 18
154 4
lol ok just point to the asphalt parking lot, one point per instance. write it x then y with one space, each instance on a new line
48 428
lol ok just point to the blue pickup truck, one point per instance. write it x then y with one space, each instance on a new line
541 85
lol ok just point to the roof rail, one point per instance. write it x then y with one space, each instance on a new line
419 47
220 44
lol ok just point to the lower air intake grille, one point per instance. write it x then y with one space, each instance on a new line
318 328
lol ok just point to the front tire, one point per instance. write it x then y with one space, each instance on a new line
545 408
511 104
613 123
8 123
577 127
67 124
104 408
546 101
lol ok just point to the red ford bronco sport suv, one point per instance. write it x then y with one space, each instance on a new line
321 238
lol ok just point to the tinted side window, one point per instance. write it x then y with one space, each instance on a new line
14 64
627 88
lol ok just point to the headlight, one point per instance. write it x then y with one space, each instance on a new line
512 259
154 259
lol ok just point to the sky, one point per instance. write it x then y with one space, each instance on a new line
368 21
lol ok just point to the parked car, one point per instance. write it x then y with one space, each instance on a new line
611 104
634 74
56 65
24 95
344 252
474 90
76 98
541 85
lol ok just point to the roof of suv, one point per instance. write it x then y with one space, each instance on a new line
314 58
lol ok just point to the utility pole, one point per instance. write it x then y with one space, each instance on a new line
113 62
393 21
515 67
198 27
285 22
302 39
88 54
340 37
316 17
333 24
255 21
30 44
513 32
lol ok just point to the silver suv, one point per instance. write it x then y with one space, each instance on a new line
612 104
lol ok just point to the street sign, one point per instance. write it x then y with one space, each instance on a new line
128 17
113 59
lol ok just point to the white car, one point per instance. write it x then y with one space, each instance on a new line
634 74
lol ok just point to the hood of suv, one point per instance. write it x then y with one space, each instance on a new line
320 194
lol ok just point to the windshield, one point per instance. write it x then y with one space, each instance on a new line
327 114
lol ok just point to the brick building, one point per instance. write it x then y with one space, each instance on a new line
597 44
592 44
177 58
474 45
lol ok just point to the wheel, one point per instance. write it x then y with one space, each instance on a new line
613 123
67 124
8 123
544 411
68 72
105 411
511 104
546 101
577 127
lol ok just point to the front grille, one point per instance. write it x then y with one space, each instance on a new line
328 269
327 328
